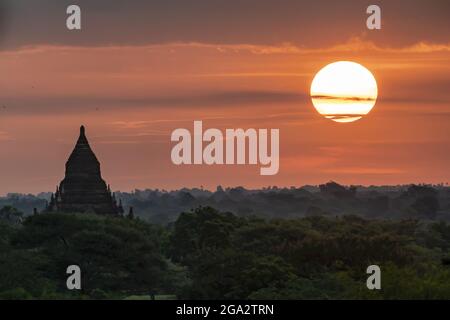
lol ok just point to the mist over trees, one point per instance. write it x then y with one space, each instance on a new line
330 199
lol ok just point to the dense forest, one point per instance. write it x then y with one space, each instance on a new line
207 254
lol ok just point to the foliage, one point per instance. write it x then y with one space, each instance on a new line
115 255
207 254
310 258
10 215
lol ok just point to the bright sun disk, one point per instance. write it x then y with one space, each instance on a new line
344 91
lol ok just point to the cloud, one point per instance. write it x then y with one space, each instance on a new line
77 104
4 136
302 22
341 98
358 44
364 171
353 44
125 125
69 79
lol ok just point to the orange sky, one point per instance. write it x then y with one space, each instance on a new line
131 97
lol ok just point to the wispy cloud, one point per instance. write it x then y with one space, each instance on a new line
364 171
342 98
358 44
98 103
352 45
4 136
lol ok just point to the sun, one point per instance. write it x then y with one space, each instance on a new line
344 91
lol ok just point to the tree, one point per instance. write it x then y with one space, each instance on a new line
115 254
202 229
426 206
11 215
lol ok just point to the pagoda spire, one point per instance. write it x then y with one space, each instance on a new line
83 189
82 138
82 161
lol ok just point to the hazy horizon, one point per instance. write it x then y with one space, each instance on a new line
214 189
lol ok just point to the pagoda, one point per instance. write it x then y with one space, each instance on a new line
83 190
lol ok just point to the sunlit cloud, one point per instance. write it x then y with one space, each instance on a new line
351 45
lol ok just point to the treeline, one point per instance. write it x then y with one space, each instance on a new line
423 202
206 254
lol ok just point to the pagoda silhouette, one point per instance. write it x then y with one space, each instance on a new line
83 190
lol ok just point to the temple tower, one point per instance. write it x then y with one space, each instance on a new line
83 189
